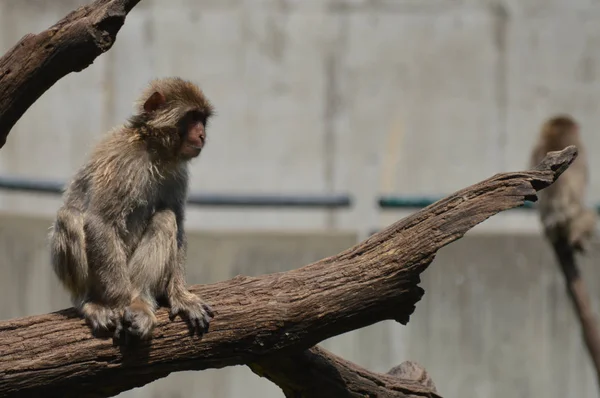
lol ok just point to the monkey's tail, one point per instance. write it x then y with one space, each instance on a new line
68 254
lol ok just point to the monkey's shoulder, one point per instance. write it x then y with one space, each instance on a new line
121 176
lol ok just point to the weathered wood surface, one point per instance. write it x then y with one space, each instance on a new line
38 61
317 373
258 317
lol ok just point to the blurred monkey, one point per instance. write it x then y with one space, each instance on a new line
118 243
568 223
561 205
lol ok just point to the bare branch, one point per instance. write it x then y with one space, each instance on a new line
36 62
282 313
580 298
317 373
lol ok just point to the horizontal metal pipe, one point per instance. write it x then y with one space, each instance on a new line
307 201
198 199
406 202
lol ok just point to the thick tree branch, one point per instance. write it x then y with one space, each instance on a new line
36 62
282 313
317 373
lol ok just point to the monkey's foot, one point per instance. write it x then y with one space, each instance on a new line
193 310
138 321
101 318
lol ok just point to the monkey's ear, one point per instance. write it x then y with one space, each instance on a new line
154 102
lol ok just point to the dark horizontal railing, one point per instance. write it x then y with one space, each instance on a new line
407 202
331 201
200 199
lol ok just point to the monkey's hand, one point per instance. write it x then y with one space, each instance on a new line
193 310
102 319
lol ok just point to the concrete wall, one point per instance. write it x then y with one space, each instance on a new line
494 322
366 97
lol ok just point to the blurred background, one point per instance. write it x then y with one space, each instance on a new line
351 99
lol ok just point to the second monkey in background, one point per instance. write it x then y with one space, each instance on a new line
563 212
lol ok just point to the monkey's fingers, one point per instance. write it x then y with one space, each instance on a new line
182 311
201 328
100 325
197 316
101 319
198 325
118 329
208 309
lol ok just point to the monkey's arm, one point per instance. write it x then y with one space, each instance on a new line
184 303
176 203
179 211
177 283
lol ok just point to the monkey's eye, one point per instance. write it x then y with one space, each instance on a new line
197 116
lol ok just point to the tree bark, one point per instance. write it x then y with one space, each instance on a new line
317 373
36 62
256 317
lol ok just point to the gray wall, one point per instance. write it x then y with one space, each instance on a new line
494 322
368 97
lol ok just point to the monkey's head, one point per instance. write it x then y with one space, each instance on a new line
558 129
171 118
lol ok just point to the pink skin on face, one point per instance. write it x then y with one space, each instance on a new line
195 139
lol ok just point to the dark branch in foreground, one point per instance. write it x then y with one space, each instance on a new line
260 317
36 62
317 373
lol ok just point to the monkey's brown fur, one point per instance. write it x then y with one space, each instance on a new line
561 205
118 242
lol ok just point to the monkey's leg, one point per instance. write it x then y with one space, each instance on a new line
148 272
187 305
67 251
69 259
109 288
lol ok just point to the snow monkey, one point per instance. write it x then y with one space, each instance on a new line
118 243
561 205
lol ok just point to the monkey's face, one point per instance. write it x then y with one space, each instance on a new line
172 117
194 135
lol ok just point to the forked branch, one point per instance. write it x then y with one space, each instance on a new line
317 373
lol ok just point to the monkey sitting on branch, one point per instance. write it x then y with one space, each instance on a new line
561 206
118 242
